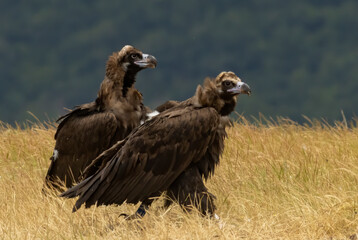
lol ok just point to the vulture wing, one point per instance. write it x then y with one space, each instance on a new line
207 164
81 136
167 105
101 161
151 158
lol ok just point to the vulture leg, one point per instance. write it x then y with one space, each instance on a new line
141 211
190 192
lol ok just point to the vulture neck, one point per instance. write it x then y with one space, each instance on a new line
110 92
208 96
116 84
228 107
128 81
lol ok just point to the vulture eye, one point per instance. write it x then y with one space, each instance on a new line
135 56
227 83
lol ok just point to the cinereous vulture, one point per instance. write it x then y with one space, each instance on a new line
170 152
91 128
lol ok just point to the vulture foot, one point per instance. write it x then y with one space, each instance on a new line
141 211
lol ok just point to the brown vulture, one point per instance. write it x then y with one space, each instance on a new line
170 152
91 128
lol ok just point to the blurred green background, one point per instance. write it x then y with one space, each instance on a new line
299 57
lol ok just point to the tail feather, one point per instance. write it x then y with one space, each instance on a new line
91 189
76 190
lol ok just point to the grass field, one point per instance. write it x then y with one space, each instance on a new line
275 181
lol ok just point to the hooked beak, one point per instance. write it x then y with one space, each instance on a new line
241 88
147 61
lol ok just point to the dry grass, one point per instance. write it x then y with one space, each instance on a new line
275 181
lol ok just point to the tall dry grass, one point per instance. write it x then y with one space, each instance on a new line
275 181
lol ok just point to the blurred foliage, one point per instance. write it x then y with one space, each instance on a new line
299 57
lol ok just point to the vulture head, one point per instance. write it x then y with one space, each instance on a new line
230 85
133 59
123 66
221 93
128 62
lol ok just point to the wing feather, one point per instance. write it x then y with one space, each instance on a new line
79 141
152 157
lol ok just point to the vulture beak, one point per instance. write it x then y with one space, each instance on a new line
241 88
147 61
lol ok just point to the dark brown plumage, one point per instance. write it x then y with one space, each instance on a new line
91 128
164 152
189 189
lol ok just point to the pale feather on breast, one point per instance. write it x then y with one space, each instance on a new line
55 155
152 114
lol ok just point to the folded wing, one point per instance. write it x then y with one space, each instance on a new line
151 158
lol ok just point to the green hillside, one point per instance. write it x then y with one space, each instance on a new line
299 57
